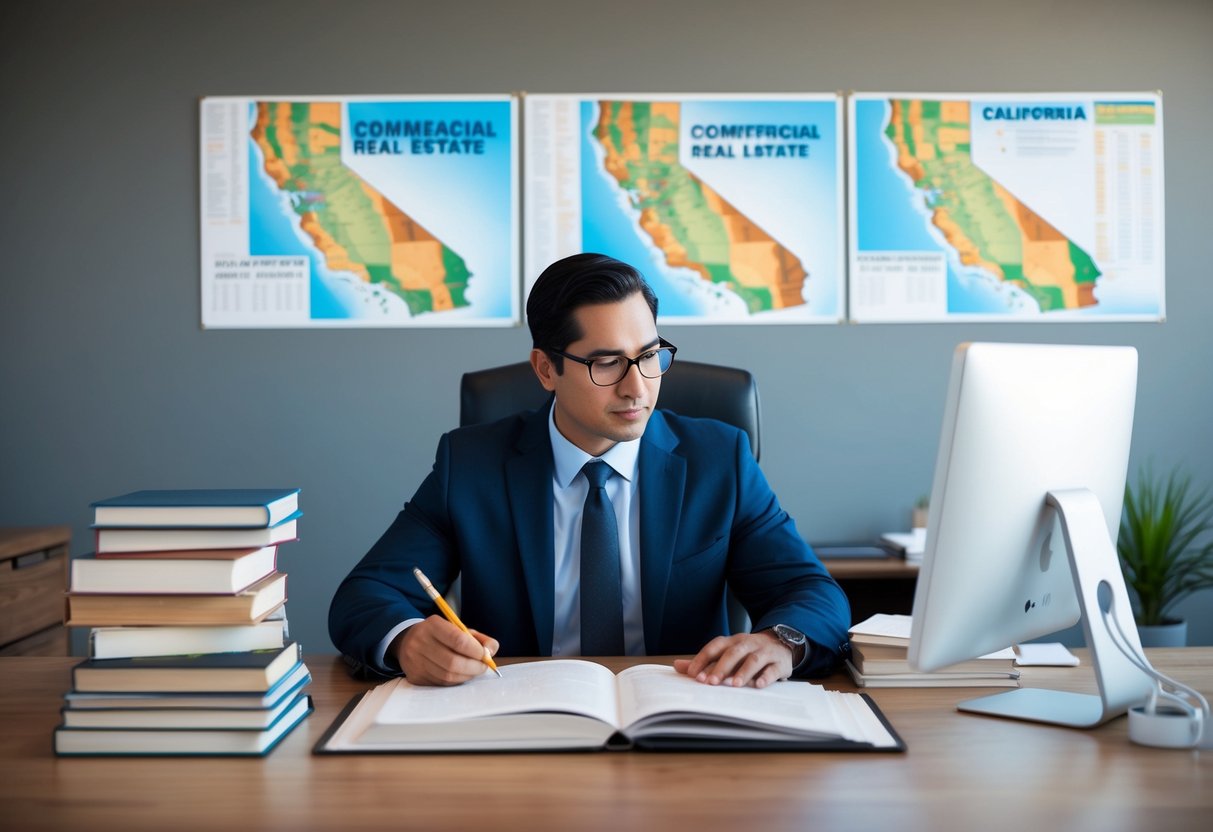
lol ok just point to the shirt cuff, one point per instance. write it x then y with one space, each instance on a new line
383 662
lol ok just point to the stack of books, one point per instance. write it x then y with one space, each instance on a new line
189 651
911 545
879 649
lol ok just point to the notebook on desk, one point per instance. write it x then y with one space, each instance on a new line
581 705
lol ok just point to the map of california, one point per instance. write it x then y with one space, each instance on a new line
987 225
692 225
356 227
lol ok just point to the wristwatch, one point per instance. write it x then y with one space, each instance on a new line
793 639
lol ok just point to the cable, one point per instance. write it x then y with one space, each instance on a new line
1180 696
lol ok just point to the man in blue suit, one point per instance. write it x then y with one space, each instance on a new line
684 511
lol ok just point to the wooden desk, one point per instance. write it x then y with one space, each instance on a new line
961 772
875 585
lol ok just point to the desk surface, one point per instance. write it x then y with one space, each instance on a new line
961 772
869 568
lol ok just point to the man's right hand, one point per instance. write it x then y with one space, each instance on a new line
436 652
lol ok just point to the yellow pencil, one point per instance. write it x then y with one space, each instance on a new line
450 614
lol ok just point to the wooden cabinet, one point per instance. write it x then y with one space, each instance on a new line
33 578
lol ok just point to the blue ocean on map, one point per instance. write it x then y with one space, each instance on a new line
612 229
780 197
890 221
466 201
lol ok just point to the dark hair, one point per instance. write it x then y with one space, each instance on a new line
576 281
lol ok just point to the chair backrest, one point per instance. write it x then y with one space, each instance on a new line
690 388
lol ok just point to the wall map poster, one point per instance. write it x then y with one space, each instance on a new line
1031 207
730 205
359 211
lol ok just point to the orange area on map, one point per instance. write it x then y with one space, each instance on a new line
753 258
1046 253
416 257
413 256
1046 256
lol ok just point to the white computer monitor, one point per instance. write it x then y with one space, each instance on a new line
1023 518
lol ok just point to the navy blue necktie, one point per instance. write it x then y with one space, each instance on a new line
601 593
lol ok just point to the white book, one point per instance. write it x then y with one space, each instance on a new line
568 704
238 570
155 540
935 679
134 642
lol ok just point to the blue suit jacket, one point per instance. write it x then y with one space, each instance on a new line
707 518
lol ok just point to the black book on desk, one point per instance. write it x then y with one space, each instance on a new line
840 551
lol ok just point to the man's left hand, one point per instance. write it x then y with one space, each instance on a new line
736 661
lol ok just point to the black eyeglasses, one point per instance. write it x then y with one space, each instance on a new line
609 370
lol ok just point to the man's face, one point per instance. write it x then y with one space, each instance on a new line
591 417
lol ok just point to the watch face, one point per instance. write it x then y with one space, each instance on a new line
789 635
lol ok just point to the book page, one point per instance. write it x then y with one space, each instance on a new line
648 694
858 720
564 686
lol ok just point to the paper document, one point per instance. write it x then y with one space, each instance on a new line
1049 654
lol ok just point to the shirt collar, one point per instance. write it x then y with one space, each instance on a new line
623 457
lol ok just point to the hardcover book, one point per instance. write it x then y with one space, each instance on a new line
149 539
1001 662
880 646
284 688
181 742
254 671
248 606
130 642
209 575
882 629
566 704
935 679
231 719
198 508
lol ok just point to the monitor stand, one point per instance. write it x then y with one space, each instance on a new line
1100 586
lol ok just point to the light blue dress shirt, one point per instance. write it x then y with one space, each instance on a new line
569 489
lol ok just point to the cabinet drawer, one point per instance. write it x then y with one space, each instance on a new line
31 593
53 641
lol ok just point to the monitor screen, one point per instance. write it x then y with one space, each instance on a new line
1021 421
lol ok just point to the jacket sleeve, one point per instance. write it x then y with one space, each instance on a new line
777 576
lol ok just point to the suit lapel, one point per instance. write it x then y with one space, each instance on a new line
662 481
529 477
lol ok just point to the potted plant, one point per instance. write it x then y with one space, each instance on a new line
1166 550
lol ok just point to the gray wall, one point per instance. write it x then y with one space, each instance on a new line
109 384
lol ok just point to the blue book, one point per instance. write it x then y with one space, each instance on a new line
240 508
253 671
283 690
182 742
199 540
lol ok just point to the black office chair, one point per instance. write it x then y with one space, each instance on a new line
689 388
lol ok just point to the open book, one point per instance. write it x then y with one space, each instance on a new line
567 704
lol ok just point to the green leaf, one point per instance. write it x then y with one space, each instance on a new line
1163 543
